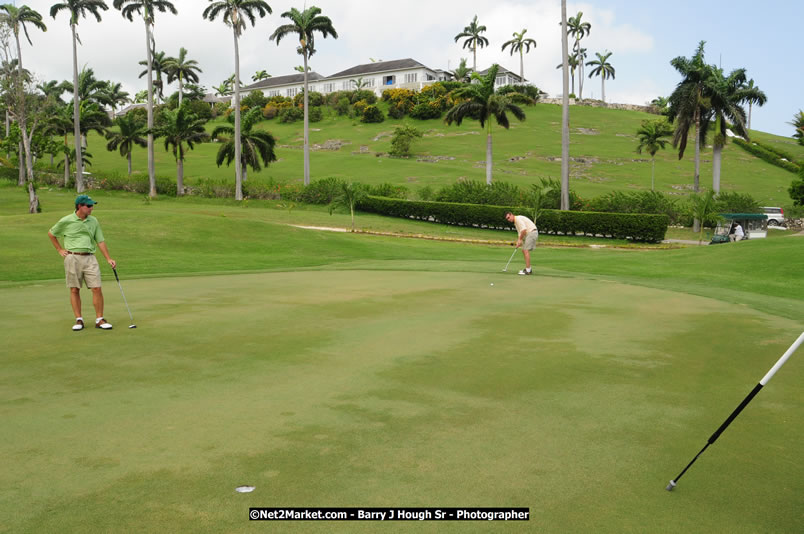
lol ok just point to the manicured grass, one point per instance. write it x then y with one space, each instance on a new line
336 369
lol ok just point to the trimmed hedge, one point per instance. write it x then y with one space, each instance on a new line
639 227
767 155
778 151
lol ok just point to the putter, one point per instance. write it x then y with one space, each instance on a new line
674 482
132 325
509 260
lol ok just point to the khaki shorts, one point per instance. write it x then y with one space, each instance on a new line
80 269
530 240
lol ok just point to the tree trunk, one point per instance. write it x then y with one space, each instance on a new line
180 176
149 106
652 173
306 126
33 199
603 87
717 151
474 56
750 105
128 157
237 140
580 70
79 160
565 139
488 154
66 171
521 67
20 164
180 90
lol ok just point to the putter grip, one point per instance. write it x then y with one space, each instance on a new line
115 274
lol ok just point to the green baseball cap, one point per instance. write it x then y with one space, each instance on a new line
84 199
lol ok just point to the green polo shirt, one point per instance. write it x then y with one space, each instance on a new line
79 236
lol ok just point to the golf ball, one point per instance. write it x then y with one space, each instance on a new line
492 284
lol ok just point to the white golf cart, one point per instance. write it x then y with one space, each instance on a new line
755 226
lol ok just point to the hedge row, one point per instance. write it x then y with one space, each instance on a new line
778 151
639 227
767 155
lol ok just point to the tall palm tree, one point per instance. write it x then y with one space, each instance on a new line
260 75
181 69
602 68
148 9
78 9
257 144
473 39
522 45
52 89
572 62
114 95
579 29
234 14
461 74
756 96
305 24
18 18
651 136
688 103
224 89
565 138
180 126
479 101
158 60
131 131
726 95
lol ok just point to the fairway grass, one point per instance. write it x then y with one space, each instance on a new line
576 397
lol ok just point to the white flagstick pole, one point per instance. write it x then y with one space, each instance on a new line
742 405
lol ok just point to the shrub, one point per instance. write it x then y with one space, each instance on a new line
637 202
221 108
315 114
396 111
401 140
529 91
255 99
796 192
320 191
360 106
315 99
426 193
766 155
291 114
388 191
474 192
270 111
343 106
141 114
729 202
372 114
638 227
450 86
426 110
201 109
362 94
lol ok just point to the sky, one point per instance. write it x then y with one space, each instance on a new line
643 37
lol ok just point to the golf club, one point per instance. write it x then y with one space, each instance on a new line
509 259
132 325
742 405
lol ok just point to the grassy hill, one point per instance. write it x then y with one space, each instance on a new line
603 149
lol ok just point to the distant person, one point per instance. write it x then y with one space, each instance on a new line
736 233
82 232
527 236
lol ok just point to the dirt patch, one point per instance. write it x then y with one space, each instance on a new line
330 144
364 149
434 159
587 131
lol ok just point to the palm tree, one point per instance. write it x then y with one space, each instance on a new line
257 144
579 30
473 39
688 103
17 18
660 103
602 68
224 89
479 101
349 195
572 61
704 209
521 45
260 75
93 118
798 124
147 8
234 14
78 9
651 137
305 24
52 89
114 95
461 74
158 60
131 132
180 126
565 138
180 68
726 94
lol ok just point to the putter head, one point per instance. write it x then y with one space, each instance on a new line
132 326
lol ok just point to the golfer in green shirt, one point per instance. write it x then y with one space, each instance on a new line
81 232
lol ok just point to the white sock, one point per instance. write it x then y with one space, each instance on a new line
98 320
79 319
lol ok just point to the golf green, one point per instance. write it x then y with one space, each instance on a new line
575 397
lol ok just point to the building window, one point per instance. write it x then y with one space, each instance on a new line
389 80
312 88
500 80
292 92
328 87
411 77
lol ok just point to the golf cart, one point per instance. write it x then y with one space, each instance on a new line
755 226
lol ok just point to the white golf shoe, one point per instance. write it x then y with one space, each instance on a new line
101 323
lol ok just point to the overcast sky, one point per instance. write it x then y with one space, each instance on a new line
643 36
